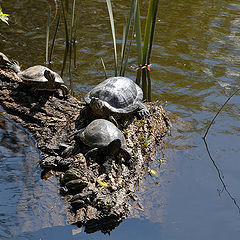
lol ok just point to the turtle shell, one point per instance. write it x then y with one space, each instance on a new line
119 94
99 133
36 74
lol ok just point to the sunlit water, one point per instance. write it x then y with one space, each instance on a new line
195 67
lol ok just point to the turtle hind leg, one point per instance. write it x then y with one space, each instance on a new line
64 90
113 147
126 158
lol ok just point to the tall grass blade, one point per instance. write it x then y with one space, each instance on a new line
54 38
131 14
72 20
147 32
65 23
138 78
109 6
149 95
74 54
128 53
70 49
56 11
75 41
47 36
154 17
123 39
144 84
138 34
64 59
104 68
66 4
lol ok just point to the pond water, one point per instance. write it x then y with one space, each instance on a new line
195 67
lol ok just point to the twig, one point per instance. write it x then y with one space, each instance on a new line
211 123
104 68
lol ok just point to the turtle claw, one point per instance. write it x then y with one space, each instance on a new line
143 111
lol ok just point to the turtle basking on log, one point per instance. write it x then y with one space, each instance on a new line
115 97
102 137
40 78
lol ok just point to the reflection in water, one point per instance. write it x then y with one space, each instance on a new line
27 202
221 177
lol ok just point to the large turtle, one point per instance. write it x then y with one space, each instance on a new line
40 78
102 137
116 96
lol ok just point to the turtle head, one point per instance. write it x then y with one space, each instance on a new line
50 76
96 105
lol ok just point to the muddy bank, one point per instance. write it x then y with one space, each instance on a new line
99 191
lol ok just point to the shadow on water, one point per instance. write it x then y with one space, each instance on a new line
27 202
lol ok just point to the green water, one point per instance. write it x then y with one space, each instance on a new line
195 67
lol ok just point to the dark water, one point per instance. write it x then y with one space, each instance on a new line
195 67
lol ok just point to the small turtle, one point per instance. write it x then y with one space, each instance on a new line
103 138
40 78
116 96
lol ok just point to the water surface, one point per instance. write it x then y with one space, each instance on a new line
195 67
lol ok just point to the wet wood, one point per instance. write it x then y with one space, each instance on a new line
104 188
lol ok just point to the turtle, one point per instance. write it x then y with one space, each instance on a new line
114 97
40 78
102 137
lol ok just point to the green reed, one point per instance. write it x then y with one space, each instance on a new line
144 52
144 47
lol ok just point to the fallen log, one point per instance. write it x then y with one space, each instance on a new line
99 192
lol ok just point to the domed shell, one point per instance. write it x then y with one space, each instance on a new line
119 94
36 74
100 132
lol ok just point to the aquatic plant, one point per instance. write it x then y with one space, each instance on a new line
70 35
144 47
144 52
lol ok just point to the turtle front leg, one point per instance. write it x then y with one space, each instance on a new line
142 110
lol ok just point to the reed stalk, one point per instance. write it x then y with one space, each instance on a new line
109 6
47 36
54 38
